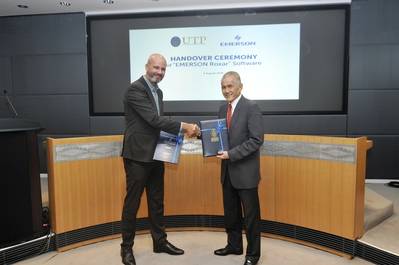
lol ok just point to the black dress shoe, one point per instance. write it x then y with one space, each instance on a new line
227 251
251 261
167 247
127 256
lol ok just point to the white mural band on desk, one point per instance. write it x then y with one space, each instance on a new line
87 151
331 152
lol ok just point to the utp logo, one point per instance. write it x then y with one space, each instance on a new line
187 40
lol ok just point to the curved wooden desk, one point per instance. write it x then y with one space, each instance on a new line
312 190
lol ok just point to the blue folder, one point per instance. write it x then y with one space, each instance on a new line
214 136
168 147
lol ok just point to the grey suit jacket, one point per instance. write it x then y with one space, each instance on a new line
143 123
245 139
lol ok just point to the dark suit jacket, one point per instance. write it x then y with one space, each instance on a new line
143 123
245 140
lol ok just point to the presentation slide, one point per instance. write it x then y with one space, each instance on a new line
292 60
267 57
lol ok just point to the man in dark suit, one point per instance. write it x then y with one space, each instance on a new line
143 117
240 170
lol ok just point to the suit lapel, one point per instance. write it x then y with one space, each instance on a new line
149 93
223 112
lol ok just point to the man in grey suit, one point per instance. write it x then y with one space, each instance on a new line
240 170
143 117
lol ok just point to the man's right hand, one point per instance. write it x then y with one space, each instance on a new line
191 129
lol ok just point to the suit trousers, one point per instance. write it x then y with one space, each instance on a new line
140 175
234 201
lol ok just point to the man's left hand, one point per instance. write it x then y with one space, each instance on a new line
223 155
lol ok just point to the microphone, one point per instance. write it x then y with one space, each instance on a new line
10 103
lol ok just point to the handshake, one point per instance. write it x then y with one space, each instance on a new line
191 129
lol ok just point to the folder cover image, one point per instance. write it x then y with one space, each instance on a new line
214 136
168 147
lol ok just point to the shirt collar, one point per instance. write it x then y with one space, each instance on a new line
235 101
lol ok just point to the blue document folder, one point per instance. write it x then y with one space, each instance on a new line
214 136
168 147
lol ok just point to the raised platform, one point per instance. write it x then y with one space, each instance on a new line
376 209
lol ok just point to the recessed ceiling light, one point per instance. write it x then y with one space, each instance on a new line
109 2
22 6
63 3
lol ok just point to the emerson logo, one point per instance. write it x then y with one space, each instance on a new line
187 40
237 42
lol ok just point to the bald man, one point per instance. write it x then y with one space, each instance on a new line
143 107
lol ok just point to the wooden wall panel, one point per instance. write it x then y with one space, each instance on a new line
299 187
193 187
320 194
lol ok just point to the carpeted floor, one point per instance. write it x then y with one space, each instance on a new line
199 247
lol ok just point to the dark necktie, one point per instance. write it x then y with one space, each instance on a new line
228 116
155 94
